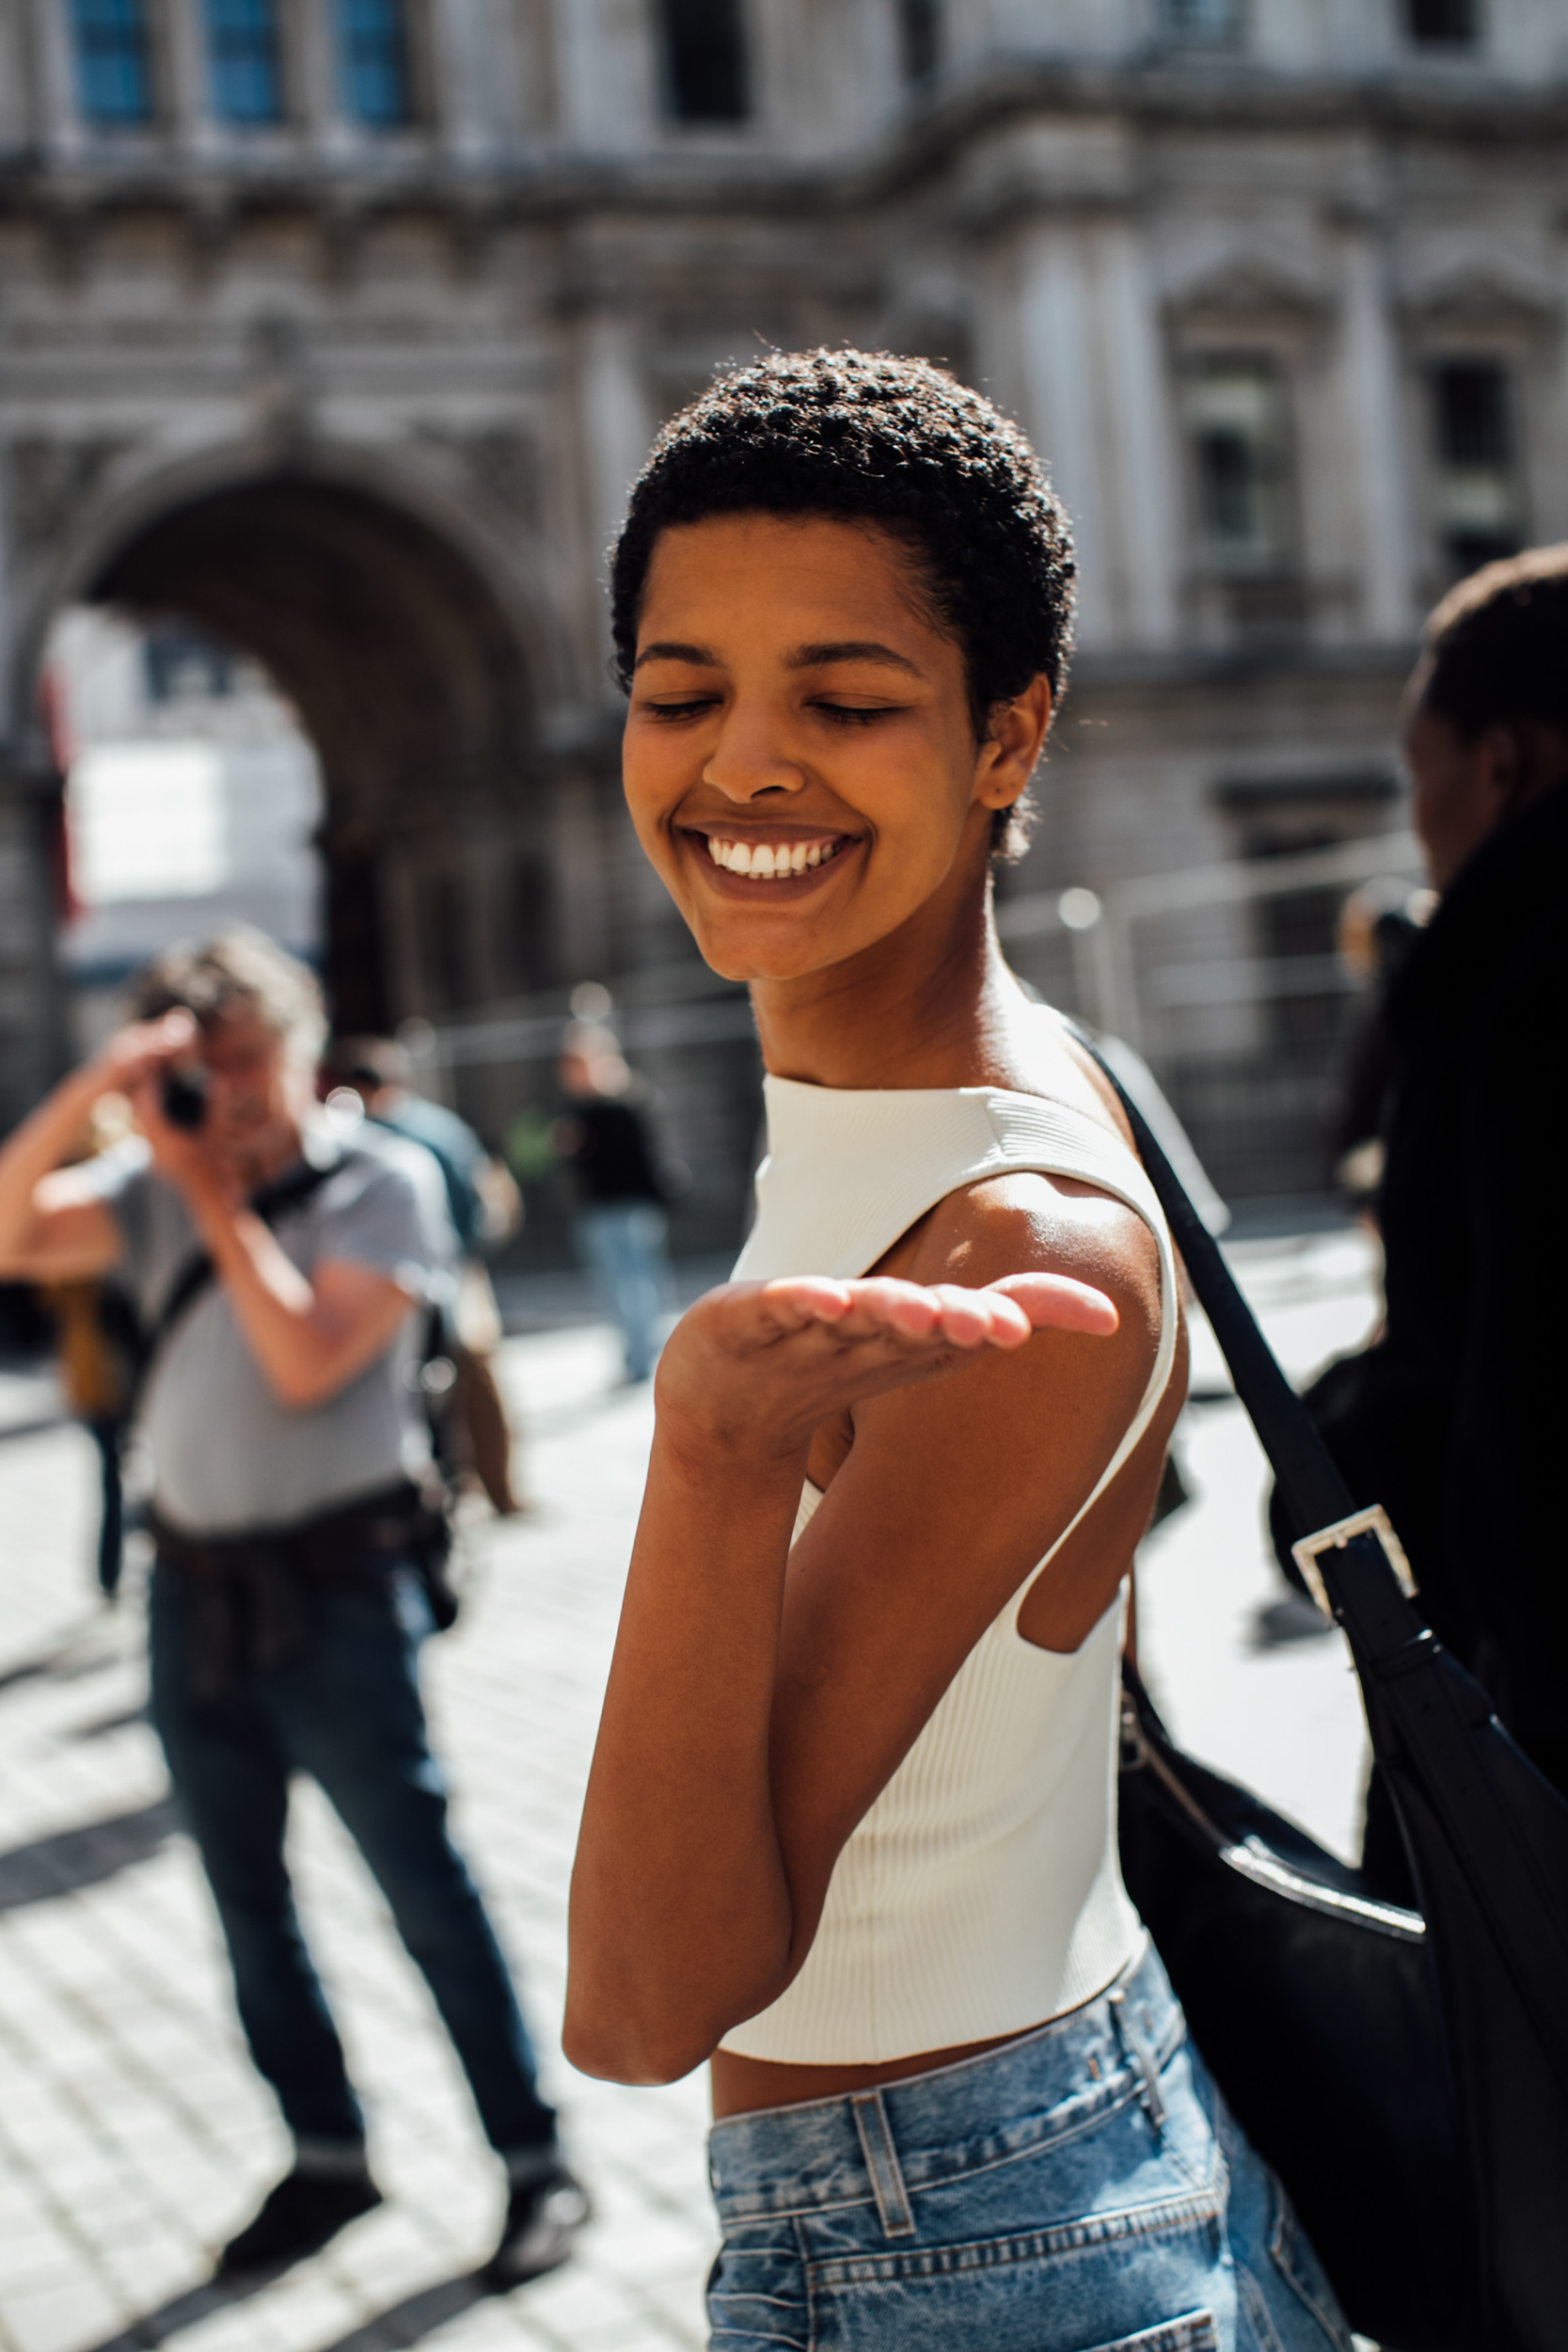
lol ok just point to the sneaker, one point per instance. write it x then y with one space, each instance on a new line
543 2217
296 2218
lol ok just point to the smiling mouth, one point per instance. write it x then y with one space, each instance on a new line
773 861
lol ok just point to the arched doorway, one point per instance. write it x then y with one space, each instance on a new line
410 680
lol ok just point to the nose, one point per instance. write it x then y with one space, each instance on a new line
750 757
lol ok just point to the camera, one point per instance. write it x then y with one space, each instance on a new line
185 1097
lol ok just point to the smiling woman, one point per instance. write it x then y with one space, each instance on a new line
850 1830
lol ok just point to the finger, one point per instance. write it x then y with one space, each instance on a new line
797 1301
885 1307
981 1318
1055 1302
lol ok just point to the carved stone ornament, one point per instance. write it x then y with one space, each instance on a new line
49 485
499 468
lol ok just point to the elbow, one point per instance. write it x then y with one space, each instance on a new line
618 2046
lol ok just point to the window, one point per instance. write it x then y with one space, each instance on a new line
1443 24
373 44
1478 475
1202 24
1241 447
920 39
705 61
243 53
114 64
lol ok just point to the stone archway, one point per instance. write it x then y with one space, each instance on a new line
410 678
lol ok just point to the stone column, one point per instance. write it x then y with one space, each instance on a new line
1371 387
185 85
1057 339
312 54
57 119
1141 477
618 429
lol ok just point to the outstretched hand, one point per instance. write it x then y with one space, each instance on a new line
766 1362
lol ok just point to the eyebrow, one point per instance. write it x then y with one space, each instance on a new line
804 658
850 649
669 650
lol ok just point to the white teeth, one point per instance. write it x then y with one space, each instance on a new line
770 858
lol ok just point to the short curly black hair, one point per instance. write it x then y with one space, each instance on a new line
867 436
1497 644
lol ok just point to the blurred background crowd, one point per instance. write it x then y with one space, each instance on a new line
332 334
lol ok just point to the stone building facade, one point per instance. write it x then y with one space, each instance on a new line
341 325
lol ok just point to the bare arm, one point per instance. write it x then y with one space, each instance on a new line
760 1698
311 1334
51 1226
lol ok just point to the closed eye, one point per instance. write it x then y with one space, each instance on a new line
856 714
692 707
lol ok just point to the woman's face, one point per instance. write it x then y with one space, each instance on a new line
799 758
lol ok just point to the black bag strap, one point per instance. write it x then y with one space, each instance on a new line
1360 1579
196 1271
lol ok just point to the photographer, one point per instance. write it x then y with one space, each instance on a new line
283 1281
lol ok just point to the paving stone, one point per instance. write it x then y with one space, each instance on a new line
133 2135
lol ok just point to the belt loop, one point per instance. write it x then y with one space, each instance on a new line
881 2162
1140 2056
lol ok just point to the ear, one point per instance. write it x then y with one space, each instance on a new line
1498 769
1014 741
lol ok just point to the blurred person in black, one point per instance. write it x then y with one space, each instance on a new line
1454 1419
615 1187
486 1209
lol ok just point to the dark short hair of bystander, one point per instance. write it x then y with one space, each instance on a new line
1496 647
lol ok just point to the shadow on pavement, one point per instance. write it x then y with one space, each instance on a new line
1290 1619
416 2316
68 1660
180 2311
57 1865
408 2322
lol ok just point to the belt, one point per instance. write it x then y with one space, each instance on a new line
367 1536
245 1600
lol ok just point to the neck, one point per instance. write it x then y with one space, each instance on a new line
934 1005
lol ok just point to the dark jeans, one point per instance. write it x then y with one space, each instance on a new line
348 1713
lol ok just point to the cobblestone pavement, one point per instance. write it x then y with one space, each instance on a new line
134 2135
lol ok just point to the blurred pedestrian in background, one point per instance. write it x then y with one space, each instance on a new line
615 1187
1454 1419
486 1209
1378 926
283 1276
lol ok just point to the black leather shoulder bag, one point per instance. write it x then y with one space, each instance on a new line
1406 2073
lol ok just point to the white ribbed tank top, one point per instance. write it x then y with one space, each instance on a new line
981 1894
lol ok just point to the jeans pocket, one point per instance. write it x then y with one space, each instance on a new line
1194 2331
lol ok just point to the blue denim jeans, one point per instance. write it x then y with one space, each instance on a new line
348 1713
624 1243
1083 2189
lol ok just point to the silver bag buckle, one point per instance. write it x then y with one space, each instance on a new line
1373 1522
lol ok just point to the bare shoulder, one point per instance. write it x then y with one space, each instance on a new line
1027 1223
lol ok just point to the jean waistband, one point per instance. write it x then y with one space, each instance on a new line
872 2144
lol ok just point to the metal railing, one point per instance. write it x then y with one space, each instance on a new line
1247 1036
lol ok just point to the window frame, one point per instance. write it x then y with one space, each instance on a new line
375 125
747 48
1281 557
1455 562
248 122
140 26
